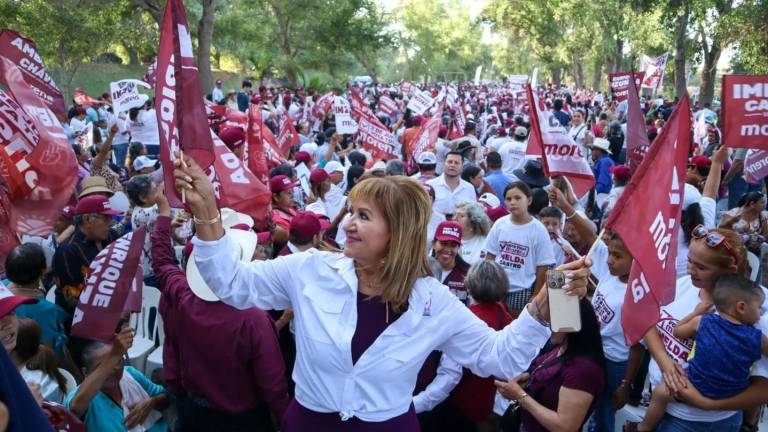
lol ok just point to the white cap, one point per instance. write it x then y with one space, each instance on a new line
691 195
426 158
243 244
333 166
379 166
309 147
490 200
142 162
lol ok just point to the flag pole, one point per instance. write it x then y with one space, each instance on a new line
184 165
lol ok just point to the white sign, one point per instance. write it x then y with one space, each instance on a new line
420 102
343 114
125 94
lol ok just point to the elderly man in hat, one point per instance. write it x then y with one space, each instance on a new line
248 383
601 165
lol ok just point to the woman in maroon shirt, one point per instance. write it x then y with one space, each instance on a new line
562 388
447 264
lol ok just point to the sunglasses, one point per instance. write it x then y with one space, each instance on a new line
713 240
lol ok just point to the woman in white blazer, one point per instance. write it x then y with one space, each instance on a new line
365 320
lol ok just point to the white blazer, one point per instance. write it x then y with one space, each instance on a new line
321 287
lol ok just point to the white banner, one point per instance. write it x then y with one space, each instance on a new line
518 82
654 70
478 71
343 114
420 102
125 95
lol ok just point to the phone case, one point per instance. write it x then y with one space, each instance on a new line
564 312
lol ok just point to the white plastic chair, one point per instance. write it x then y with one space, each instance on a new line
754 266
51 294
71 383
155 358
145 325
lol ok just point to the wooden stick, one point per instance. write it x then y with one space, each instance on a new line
183 190
594 244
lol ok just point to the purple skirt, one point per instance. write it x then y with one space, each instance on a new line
297 418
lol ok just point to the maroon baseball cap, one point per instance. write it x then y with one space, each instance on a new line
318 176
264 237
233 137
68 212
701 161
449 231
9 302
96 203
280 183
305 225
302 156
620 172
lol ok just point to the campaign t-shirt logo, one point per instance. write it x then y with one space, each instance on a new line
679 349
512 255
603 311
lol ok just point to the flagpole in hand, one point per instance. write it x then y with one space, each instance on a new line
183 164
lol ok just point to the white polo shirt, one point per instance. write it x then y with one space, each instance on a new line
446 199
321 288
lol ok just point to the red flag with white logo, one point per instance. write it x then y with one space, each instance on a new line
37 165
376 138
647 218
108 288
288 137
23 53
637 137
253 152
425 139
745 111
181 114
387 106
560 155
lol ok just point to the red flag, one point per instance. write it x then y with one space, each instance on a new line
425 139
236 186
322 105
108 287
637 137
38 165
23 53
745 111
82 98
253 152
387 106
358 105
647 217
619 84
376 138
180 111
288 137
560 155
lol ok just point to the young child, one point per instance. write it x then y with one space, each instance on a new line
520 244
726 344
552 218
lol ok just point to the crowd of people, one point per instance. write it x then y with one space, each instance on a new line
405 294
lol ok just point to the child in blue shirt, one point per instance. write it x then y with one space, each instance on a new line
727 344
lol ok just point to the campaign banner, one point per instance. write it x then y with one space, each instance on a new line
343 115
560 155
358 104
420 102
84 137
647 217
322 105
425 139
288 136
619 84
744 111
756 166
37 155
653 70
637 137
125 95
23 53
406 87
376 138
102 302
181 115
478 72
387 106
518 82
253 149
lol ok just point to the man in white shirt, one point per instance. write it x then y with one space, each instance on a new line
450 189
334 198
501 137
217 94
513 152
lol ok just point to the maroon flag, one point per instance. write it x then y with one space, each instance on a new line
82 98
745 111
619 83
133 302
377 139
425 139
560 155
288 137
637 137
253 152
181 114
38 166
647 218
387 106
108 287
358 105
23 53
322 105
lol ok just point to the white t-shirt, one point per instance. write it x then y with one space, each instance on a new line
49 388
520 249
144 128
441 152
686 299
472 250
512 156
607 302
708 213
496 143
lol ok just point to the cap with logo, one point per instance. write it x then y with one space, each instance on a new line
449 231
142 162
95 204
426 158
280 183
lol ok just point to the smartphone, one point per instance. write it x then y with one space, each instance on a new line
564 314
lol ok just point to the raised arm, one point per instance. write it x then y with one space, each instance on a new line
163 262
106 147
557 198
712 185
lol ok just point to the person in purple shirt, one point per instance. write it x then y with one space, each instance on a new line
601 166
223 364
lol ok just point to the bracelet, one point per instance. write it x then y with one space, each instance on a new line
572 215
207 222
537 315
522 396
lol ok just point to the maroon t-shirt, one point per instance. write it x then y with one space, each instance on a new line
579 373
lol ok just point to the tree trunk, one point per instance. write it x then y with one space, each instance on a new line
63 80
557 75
133 55
217 58
711 57
619 55
680 48
204 41
597 74
156 8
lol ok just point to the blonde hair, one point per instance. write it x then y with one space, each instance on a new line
722 258
407 208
